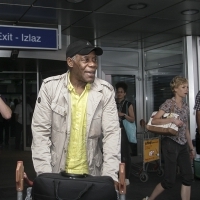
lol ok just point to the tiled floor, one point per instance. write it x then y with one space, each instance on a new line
135 191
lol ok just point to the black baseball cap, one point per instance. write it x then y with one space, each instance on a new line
82 47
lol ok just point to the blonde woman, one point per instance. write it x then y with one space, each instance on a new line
177 150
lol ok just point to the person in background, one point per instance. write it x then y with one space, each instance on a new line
19 123
75 117
176 150
197 108
13 118
29 114
122 105
5 115
4 128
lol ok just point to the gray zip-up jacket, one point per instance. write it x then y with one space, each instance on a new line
51 128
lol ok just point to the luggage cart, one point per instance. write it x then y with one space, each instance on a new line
21 177
151 153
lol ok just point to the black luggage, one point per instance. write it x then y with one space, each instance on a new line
52 186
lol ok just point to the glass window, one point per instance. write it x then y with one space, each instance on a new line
161 65
164 56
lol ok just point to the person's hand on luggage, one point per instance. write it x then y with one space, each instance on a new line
116 184
26 179
25 176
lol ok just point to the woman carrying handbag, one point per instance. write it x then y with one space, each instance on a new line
177 150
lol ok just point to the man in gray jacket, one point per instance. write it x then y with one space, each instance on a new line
75 119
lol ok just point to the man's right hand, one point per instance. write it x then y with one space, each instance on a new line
116 184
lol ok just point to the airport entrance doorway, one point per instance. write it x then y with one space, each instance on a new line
20 80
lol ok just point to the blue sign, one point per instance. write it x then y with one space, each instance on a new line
28 38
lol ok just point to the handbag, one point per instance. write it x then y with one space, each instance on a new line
169 129
66 186
130 129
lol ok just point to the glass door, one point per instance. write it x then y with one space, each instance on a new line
19 90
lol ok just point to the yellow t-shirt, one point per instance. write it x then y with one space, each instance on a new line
76 161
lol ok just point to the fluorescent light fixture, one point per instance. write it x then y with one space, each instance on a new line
137 6
75 1
190 12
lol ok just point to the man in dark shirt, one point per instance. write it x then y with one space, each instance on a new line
197 108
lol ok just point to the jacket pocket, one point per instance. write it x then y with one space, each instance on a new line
60 110
59 117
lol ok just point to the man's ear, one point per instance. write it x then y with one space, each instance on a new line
70 62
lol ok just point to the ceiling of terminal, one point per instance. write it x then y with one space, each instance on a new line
110 22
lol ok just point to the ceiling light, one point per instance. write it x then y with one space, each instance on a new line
75 1
137 6
190 12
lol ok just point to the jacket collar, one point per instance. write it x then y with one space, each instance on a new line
96 85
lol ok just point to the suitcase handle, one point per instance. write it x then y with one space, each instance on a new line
20 176
79 195
63 173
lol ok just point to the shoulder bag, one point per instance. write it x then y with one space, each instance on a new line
65 186
130 128
169 129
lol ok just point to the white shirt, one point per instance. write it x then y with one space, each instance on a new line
18 111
